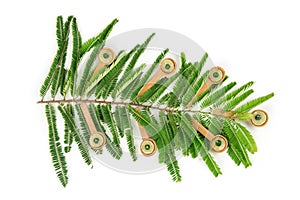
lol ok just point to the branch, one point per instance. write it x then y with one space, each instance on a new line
170 110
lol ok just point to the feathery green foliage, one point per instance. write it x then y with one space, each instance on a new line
144 120
114 73
208 92
193 89
154 89
107 88
155 96
216 95
192 73
234 155
110 121
64 82
246 138
136 56
58 158
59 76
167 151
106 74
114 104
59 59
182 80
75 56
85 131
100 38
235 142
68 137
253 103
87 69
60 31
233 94
124 124
173 168
129 90
234 102
200 147
81 142
111 147
126 81
149 72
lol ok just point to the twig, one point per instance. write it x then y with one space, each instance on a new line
119 103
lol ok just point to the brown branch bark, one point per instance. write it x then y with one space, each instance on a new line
117 103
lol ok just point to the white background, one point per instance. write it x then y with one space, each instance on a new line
254 40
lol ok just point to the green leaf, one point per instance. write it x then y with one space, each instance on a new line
58 61
118 117
193 74
192 90
245 137
75 56
128 91
157 94
234 155
151 91
200 146
87 69
64 82
114 150
244 116
111 147
164 99
169 129
103 74
216 95
107 88
210 122
148 73
183 61
166 147
162 154
55 84
58 158
81 142
144 120
140 50
110 86
68 138
59 76
173 130
162 142
111 123
125 82
233 94
182 80
173 168
253 103
114 73
208 92
100 38
235 143
96 116
202 62
173 102
84 127
235 101
60 31
124 124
